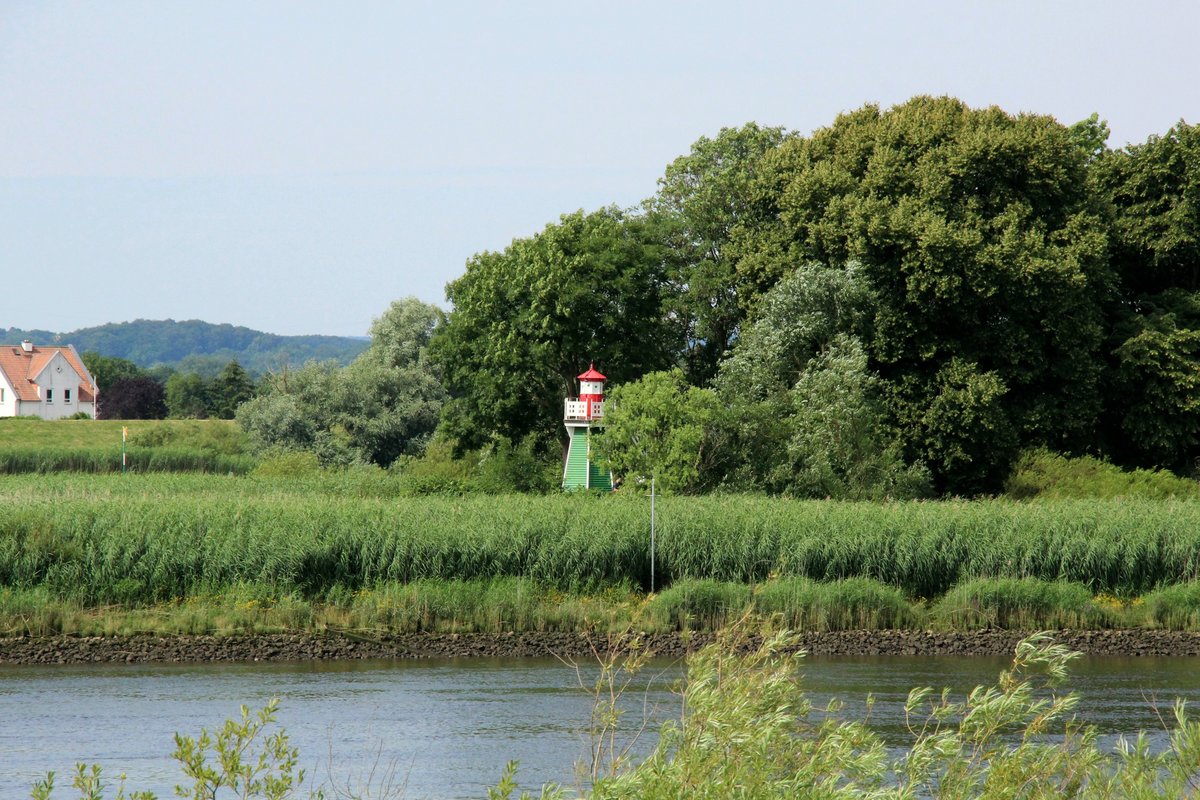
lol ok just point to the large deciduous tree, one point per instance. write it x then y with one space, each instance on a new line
138 397
1153 401
980 241
106 370
526 321
661 428
1154 189
703 197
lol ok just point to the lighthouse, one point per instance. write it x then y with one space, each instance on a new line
580 415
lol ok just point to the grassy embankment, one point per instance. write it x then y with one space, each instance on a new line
199 553
28 444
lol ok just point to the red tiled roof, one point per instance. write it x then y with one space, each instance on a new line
21 368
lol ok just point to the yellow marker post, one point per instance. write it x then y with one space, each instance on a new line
124 438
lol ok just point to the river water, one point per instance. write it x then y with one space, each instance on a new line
446 728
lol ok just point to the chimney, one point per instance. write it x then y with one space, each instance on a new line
27 346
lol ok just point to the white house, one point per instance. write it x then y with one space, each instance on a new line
49 382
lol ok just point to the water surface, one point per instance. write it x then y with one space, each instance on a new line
449 726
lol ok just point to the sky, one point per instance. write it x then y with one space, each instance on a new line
294 167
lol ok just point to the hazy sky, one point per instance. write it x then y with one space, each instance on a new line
294 167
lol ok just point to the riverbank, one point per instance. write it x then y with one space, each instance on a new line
337 646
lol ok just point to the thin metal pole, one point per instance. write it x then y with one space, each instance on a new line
652 487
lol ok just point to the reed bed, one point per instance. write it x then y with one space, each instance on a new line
150 538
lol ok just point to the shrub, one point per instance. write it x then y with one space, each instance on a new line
1041 473
705 604
1175 607
1020 604
850 604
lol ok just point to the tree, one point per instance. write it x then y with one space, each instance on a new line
966 428
138 397
794 410
1154 192
277 421
1155 396
526 321
298 410
978 236
704 196
228 390
106 370
806 416
384 405
392 395
187 396
660 427
797 319
839 446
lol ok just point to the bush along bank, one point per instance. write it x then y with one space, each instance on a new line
517 606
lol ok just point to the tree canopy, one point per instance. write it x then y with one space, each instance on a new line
382 406
702 198
137 397
966 283
985 252
526 321
1153 398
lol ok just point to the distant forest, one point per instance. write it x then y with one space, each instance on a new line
194 345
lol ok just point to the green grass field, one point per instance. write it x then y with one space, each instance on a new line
42 446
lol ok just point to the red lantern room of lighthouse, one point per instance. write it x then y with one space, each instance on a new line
591 392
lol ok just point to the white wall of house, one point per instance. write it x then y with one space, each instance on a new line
8 397
58 391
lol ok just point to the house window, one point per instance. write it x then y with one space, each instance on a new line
1 394
49 395
66 395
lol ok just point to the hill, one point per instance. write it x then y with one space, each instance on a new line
149 343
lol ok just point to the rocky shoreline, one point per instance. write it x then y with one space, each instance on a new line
143 649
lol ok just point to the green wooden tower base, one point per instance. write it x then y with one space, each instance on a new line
580 471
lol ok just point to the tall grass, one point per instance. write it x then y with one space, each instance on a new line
154 537
1174 607
483 606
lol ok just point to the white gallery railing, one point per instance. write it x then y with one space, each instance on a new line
578 410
